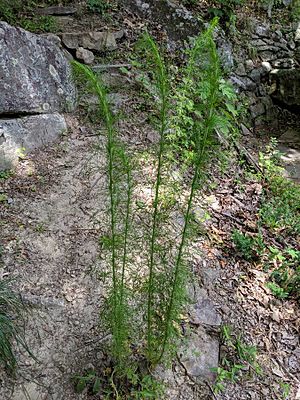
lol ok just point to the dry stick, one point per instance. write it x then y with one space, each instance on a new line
242 151
108 66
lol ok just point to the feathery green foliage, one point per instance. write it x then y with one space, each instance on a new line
118 164
155 64
202 105
204 94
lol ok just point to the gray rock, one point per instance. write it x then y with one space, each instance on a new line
99 41
291 137
225 53
20 135
262 30
267 55
56 10
52 38
204 313
255 75
243 83
85 55
289 146
29 390
245 130
297 55
284 63
249 65
269 48
201 355
175 19
257 110
297 33
261 90
241 70
266 66
258 43
35 76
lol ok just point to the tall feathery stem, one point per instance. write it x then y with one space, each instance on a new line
161 83
113 149
201 147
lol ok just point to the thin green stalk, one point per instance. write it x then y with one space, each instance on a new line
161 81
201 147
126 228
112 152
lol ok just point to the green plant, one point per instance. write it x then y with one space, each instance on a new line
239 355
225 10
98 6
295 10
9 10
285 276
161 86
280 208
118 164
210 112
5 174
251 248
132 385
19 12
286 388
37 24
11 326
204 92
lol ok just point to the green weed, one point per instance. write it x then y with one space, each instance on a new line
239 356
21 13
280 209
161 86
11 326
5 174
251 248
38 24
225 10
98 6
118 165
131 384
285 274
203 104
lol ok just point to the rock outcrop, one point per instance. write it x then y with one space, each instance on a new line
35 76
35 85
20 135
271 75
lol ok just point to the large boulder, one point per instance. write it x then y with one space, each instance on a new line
20 135
35 76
